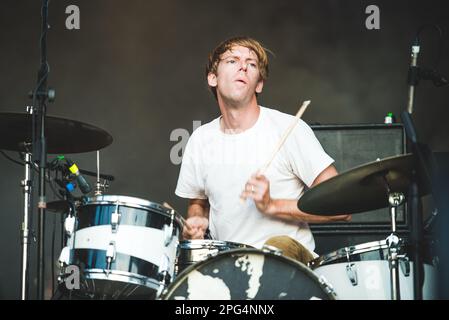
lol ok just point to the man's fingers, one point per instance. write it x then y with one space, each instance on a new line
187 226
195 227
259 176
191 234
199 234
186 235
257 196
255 187
195 234
188 230
258 183
244 195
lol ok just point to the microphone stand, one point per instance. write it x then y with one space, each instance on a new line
424 171
41 94
413 198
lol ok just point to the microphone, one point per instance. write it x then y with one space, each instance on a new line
82 183
413 75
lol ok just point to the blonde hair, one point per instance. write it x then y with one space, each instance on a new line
247 42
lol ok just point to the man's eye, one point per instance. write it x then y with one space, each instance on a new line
253 65
231 61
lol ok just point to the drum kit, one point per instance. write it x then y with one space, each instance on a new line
131 248
380 269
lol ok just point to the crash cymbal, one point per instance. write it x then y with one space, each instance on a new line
63 135
362 188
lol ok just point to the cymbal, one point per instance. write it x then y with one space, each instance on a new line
63 135
58 206
362 188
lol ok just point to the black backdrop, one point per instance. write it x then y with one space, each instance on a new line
136 69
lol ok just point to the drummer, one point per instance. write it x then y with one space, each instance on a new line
220 169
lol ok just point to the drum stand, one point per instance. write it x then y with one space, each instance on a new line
395 199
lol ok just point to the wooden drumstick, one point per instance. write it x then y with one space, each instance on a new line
183 220
301 111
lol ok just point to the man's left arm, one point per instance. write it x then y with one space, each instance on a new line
258 188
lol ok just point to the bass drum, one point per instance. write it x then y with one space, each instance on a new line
246 274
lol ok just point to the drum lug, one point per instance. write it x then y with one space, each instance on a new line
404 262
69 225
164 271
169 230
64 257
110 256
64 261
115 220
327 286
351 272
212 253
272 249
168 234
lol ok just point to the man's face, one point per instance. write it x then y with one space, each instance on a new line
238 76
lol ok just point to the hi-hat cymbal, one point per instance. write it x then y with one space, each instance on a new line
64 206
63 135
361 189
58 206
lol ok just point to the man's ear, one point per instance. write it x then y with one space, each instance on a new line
259 86
212 79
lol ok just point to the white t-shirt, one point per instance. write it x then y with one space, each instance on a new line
216 166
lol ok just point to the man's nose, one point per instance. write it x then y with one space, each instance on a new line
243 65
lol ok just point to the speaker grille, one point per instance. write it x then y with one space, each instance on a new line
354 145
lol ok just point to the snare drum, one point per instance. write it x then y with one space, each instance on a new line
246 274
124 247
193 251
361 272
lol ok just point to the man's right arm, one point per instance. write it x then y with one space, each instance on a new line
197 219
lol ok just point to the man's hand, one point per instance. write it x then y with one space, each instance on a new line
195 227
258 189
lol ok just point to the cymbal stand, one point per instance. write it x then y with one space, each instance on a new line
395 199
27 186
100 188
